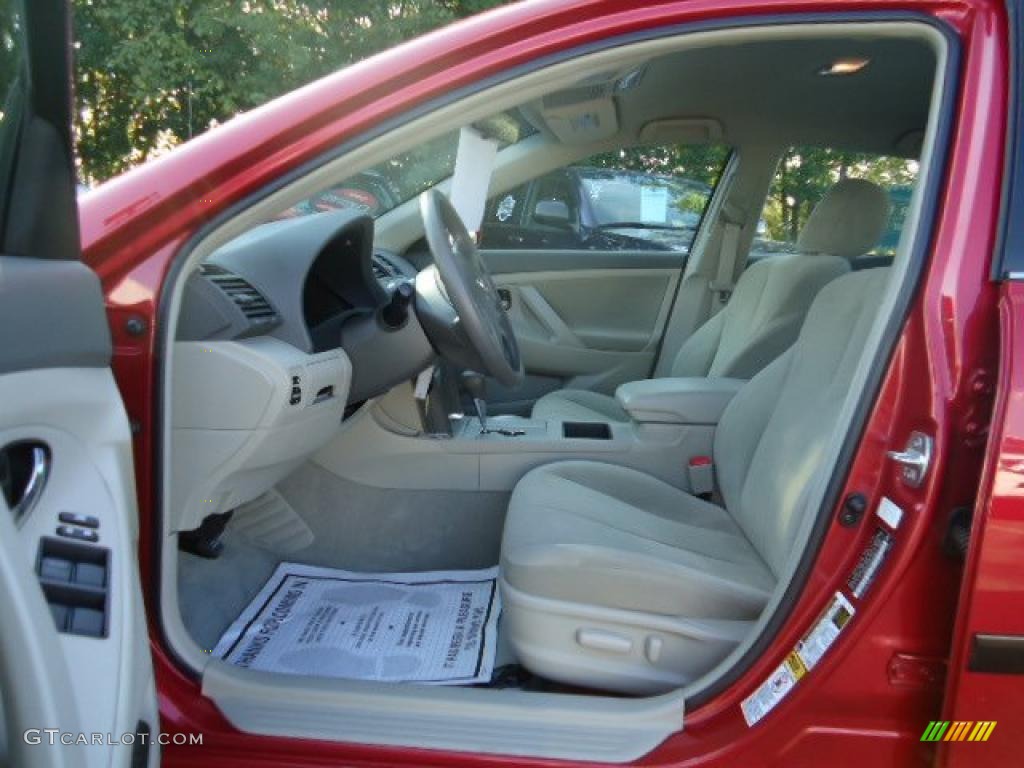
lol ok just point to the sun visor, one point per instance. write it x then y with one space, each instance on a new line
682 130
581 115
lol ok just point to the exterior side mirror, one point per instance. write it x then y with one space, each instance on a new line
553 213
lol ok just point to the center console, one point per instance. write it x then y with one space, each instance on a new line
384 446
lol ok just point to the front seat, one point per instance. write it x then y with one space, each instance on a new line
615 580
768 305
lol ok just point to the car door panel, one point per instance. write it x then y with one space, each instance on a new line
76 413
57 392
590 319
76 677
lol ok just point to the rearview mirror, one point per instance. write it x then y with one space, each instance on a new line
554 213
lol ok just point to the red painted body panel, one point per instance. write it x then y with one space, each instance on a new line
846 712
992 598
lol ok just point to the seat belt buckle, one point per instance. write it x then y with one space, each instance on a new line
722 290
702 476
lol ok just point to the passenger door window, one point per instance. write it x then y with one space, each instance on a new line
635 199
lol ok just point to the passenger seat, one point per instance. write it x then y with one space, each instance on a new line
768 305
615 580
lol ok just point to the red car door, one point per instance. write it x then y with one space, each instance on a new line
986 678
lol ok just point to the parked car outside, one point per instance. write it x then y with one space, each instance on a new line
589 208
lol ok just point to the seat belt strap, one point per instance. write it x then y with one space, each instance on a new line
722 286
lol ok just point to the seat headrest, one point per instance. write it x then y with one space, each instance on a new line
847 221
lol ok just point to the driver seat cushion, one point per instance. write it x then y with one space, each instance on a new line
614 579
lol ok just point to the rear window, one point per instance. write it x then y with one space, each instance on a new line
803 177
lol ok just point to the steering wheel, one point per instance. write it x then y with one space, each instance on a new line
466 286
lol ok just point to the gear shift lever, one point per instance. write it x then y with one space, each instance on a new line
476 385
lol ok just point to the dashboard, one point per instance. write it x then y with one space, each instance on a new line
279 331
298 280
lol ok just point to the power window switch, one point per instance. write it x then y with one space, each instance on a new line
90 575
87 621
60 614
55 569
83 521
81 534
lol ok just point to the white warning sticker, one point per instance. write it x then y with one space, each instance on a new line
825 630
803 658
773 690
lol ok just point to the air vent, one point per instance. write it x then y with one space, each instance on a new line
252 303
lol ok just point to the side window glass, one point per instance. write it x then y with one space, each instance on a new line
633 199
12 68
806 174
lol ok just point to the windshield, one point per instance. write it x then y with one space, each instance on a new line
618 199
387 185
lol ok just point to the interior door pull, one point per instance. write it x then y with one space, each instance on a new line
24 467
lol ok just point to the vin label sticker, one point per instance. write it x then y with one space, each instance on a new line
870 562
800 661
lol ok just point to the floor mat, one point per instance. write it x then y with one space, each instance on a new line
436 627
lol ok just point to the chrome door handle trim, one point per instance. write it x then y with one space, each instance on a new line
36 482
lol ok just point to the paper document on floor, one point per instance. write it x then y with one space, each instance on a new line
437 627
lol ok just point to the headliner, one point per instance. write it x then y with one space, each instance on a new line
770 92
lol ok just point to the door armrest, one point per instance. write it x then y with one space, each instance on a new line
677 401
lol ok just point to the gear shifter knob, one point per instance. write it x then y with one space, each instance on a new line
476 386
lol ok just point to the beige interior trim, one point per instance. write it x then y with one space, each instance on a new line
509 722
107 684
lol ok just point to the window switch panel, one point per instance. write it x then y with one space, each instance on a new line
56 569
75 579
82 534
82 521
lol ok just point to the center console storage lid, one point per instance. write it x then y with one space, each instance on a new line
677 401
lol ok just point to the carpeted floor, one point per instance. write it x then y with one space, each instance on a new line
354 527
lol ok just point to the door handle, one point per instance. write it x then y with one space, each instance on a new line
24 468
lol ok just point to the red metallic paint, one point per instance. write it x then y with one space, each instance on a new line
847 712
992 597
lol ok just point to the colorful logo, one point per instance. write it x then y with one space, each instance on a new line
958 730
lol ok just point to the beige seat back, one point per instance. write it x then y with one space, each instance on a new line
771 438
772 297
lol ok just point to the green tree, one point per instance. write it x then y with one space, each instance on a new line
151 74
806 173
